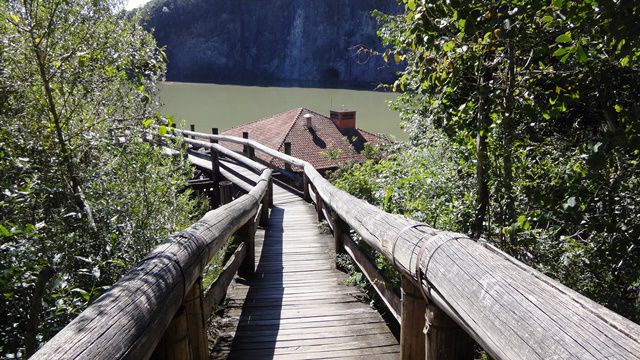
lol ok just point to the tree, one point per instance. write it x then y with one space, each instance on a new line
542 96
84 196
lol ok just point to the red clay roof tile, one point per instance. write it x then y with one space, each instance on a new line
306 144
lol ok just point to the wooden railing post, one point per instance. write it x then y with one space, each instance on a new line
196 323
192 127
305 187
247 233
175 341
215 175
269 194
245 148
412 337
214 131
319 205
264 215
444 338
340 228
225 192
287 150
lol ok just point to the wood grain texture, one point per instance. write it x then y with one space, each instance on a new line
218 288
296 306
513 311
385 291
414 308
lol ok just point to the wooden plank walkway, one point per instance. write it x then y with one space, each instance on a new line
297 306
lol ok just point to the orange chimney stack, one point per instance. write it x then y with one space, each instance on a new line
343 119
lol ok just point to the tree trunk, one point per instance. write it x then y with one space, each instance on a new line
35 308
67 158
482 165
508 215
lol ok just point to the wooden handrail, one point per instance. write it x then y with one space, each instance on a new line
511 310
128 321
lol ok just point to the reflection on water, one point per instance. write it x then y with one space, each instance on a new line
225 106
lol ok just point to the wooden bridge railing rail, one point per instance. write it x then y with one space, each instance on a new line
156 309
463 288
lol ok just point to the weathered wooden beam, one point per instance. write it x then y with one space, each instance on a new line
521 314
215 176
196 322
247 234
135 312
320 208
414 306
218 289
262 148
305 188
444 338
214 132
340 228
287 151
264 208
518 315
388 296
245 148
174 344
269 193
225 192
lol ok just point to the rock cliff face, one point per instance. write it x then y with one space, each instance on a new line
270 42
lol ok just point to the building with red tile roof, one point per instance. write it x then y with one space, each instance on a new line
311 136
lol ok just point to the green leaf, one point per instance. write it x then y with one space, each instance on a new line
147 122
564 38
448 46
624 61
4 232
411 4
565 57
546 19
618 107
162 130
581 54
560 52
15 18
557 3
85 295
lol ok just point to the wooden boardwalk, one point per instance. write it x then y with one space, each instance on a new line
297 305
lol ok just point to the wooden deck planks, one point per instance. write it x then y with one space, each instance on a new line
297 306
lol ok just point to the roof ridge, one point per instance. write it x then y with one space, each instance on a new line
368 132
291 126
261 119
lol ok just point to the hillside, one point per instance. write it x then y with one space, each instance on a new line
270 42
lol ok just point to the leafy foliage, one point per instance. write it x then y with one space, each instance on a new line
83 195
539 98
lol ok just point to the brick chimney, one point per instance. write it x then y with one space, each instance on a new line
344 119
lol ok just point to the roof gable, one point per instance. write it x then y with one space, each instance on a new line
308 144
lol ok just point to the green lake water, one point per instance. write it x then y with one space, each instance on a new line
225 106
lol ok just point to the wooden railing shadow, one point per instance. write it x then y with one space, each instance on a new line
256 321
